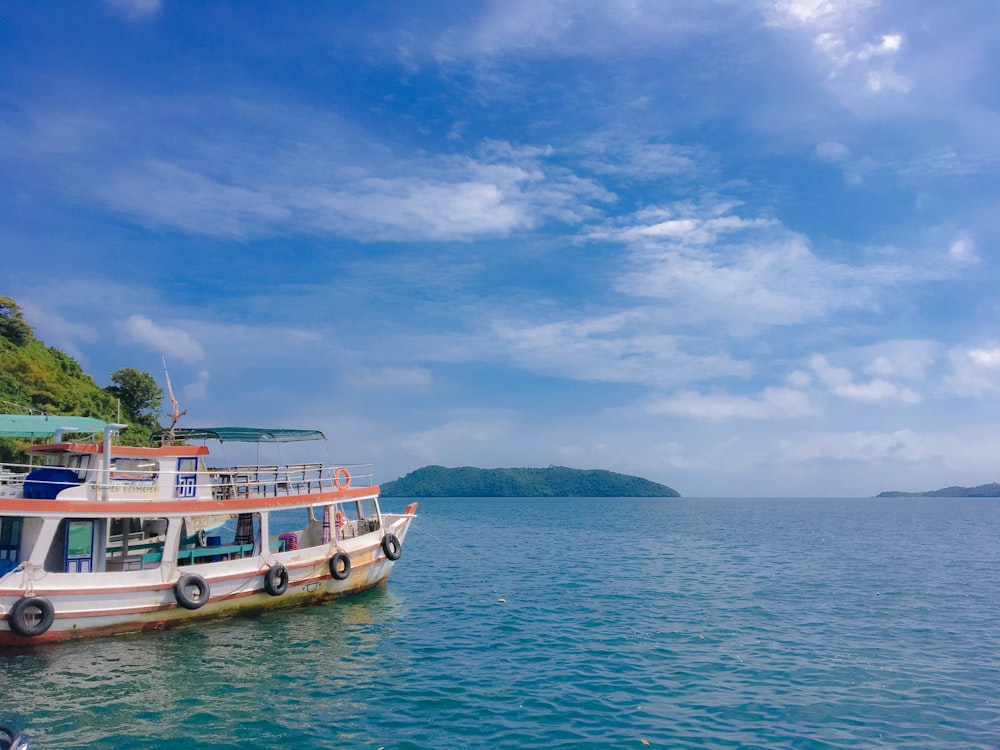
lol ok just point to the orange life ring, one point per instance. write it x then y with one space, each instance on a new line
340 520
342 478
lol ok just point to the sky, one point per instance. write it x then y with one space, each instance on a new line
742 248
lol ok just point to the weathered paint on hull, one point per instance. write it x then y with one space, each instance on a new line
172 615
236 587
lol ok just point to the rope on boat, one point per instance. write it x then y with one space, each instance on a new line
32 574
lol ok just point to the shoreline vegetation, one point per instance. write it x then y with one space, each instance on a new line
554 481
983 490
40 379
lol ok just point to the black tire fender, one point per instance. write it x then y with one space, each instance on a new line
11 738
340 566
192 591
31 616
391 546
276 580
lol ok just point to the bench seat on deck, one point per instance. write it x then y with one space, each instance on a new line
213 554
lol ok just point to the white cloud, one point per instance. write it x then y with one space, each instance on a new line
504 189
838 31
830 375
623 153
707 263
887 80
450 442
623 348
889 44
901 446
963 249
831 151
903 359
974 371
173 343
799 379
988 358
771 403
877 390
57 330
199 388
828 12
840 382
172 195
682 222
578 29
872 64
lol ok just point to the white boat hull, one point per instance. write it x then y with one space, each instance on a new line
87 604
110 539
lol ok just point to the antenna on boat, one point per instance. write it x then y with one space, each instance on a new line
177 414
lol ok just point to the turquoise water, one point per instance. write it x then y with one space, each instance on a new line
770 623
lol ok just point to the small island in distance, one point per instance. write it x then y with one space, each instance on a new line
554 481
983 490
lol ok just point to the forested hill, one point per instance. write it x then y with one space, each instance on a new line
555 481
40 379
983 490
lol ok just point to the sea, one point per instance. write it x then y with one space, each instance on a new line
580 623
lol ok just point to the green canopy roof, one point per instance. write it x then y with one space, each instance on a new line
45 426
240 434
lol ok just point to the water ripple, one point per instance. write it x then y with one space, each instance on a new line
581 623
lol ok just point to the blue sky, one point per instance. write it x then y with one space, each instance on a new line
741 248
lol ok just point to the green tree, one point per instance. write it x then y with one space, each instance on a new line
13 326
139 394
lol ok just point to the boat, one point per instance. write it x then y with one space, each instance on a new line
100 538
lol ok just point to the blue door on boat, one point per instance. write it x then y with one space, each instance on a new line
79 547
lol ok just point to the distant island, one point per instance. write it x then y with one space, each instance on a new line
555 481
983 490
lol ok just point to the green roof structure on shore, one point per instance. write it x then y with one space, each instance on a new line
240 434
46 426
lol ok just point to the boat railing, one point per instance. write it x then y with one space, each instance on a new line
291 479
234 482
12 476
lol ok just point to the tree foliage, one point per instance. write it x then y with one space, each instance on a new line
983 490
139 394
555 481
38 378
13 326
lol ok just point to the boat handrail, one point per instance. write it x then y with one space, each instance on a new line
12 476
233 482
269 480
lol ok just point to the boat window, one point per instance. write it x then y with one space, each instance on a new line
10 543
367 520
359 517
207 539
135 543
321 524
300 528
133 468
